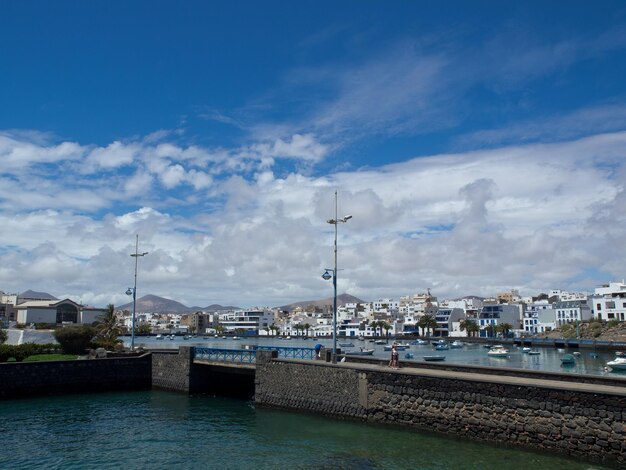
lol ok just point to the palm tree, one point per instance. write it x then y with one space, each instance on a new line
375 325
427 322
470 326
107 328
307 327
504 328
386 326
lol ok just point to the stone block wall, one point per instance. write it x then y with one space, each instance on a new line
591 426
27 379
310 386
173 370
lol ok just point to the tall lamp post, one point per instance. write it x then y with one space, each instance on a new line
133 291
327 275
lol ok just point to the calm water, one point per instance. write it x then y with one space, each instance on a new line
588 362
160 430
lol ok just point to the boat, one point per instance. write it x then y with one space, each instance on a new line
533 352
346 345
360 352
526 349
568 359
620 353
488 346
399 347
409 355
439 341
498 351
380 341
456 344
619 363
171 337
159 336
434 358
235 338
442 347
419 342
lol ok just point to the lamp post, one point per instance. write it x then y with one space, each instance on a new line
133 291
326 276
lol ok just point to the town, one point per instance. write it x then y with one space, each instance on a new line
507 314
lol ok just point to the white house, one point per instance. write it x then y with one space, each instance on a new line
56 312
609 301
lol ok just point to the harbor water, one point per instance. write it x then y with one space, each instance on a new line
161 430
587 361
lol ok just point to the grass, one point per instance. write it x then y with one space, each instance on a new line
50 357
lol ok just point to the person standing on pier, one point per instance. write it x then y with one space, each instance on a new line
394 363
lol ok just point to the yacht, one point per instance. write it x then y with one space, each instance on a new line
498 351
619 363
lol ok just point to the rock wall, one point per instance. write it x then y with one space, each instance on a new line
27 379
587 425
173 370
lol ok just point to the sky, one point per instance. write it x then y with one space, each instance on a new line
479 146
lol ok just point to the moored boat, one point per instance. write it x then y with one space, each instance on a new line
159 336
498 351
568 359
399 347
525 349
360 352
456 344
434 358
533 352
619 363
442 347
419 342
346 345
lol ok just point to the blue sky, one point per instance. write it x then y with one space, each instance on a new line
479 146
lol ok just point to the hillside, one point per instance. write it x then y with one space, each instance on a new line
341 300
155 304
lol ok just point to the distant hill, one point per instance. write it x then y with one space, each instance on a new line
155 304
341 300
34 295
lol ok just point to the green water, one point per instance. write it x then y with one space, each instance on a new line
159 430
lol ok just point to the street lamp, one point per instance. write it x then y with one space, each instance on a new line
327 275
133 291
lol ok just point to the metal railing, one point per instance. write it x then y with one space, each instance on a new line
240 356
248 356
291 353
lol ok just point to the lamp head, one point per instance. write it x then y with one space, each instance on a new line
347 217
129 291
326 276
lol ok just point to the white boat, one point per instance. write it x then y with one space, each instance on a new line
533 352
399 347
360 352
456 344
434 358
420 342
442 347
159 336
526 349
380 341
498 351
619 363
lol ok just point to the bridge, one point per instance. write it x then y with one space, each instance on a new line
248 355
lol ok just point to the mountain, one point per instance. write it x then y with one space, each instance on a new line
34 295
155 304
341 300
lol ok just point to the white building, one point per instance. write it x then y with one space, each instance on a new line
56 312
250 321
538 317
572 311
609 301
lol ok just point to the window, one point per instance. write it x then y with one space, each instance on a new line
610 305
598 306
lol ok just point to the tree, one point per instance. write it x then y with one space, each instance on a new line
386 326
107 329
504 328
470 326
3 335
307 327
75 339
427 322
375 325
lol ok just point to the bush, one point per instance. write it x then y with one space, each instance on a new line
613 323
3 336
6 351
75 339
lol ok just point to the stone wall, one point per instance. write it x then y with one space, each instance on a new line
591 426
27 379
173 370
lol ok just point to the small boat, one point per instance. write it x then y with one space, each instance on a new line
409 355
498 351
399 347
171 337
620 353
442 347
456 344
159 336
235 338
576 353
346 345
380 341
488 346
419 342
360 352
533 352
619 363
434 358
439 341
568 359
526 349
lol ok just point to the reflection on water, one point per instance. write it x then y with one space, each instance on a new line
159 430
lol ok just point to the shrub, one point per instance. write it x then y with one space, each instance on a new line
75 339
3 335
6 351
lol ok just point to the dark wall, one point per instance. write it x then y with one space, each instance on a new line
26 379
525 413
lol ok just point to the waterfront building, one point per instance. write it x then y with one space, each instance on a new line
446 318
572 311
56 312
609 301
492 315
250 321
533 322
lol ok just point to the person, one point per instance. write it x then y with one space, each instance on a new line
393 363
318 351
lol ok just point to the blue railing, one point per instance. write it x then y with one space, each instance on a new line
291 353
248 356
241 356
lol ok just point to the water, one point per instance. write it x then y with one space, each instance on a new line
161 430
588 362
